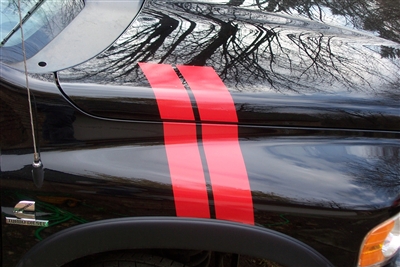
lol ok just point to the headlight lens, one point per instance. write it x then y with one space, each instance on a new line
381 243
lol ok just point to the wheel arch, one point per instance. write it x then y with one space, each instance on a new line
170 233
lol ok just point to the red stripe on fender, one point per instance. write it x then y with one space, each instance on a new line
187 175
228 174
186 170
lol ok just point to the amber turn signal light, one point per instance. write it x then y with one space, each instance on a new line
381 243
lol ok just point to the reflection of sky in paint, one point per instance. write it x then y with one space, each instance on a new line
318 12
314 171
343 64
307 170
124 162
318 103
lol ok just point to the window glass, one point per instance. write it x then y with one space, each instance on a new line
42 21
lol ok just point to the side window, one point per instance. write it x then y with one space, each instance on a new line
42 21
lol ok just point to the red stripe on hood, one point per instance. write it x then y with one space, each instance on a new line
186 170
228 174
172 99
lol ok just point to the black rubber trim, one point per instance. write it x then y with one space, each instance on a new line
170 232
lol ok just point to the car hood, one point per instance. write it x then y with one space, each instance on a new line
316 65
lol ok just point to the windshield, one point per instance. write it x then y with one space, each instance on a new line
42 21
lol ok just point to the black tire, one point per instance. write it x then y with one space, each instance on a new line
134 260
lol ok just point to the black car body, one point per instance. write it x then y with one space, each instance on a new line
267 128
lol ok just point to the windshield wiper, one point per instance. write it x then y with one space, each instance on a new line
24 19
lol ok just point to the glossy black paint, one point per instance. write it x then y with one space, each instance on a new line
119 168
281 70
318 110
270 109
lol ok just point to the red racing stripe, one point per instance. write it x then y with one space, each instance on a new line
214 101
228 174
172 99
186 170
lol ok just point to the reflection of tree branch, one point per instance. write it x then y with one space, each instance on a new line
227 30
390 52
235 2
376 16
244 50
181 38
318 50
247 56
126 54
383 173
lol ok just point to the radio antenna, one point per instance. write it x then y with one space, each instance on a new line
37 165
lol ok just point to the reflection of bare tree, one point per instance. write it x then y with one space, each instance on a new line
228 47
246 47
380 16
382 173
390 52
